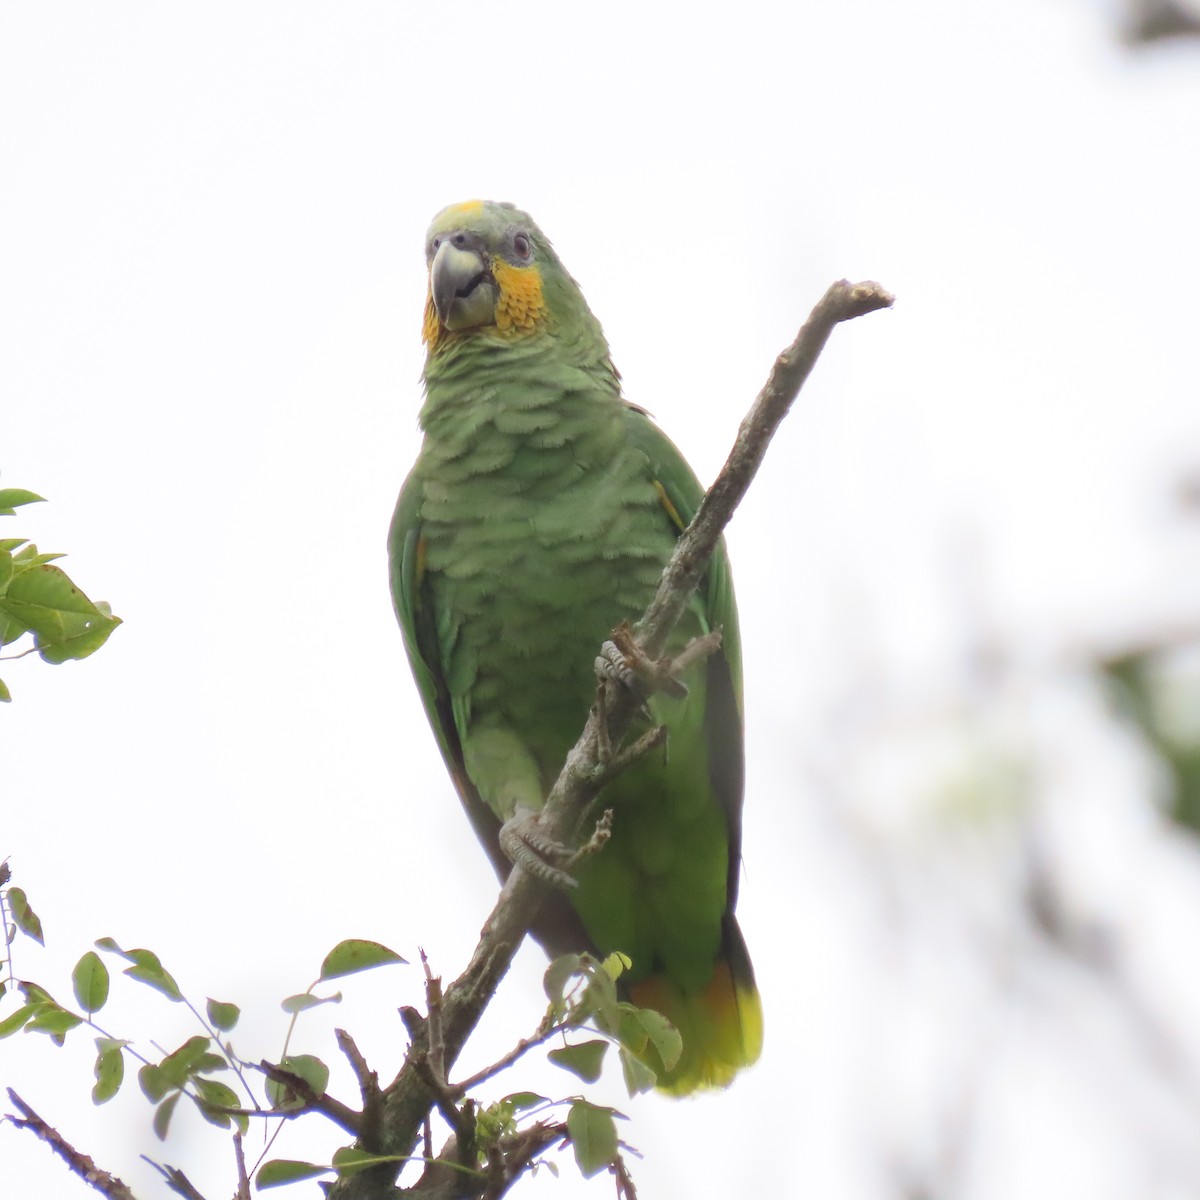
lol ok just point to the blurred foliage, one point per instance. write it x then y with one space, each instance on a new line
1158 689
41 600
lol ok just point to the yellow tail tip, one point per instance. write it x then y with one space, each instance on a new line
721 1028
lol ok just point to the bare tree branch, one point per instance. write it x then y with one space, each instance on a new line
408 1099
1150 21
80 1164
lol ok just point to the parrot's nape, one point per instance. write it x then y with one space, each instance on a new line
538 516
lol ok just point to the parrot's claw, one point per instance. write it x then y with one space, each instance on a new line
622 661
612 665
531 850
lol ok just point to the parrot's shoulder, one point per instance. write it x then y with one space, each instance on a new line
667 465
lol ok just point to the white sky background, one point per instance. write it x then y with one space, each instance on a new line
211 278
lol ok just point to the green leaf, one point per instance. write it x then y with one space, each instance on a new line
8 545
109 1071
559 973
212 1092
356 954
298 1003
662 1034
279 1171
148 970
29 557
5 694
349 1160
11 498
631 1032
222 1016
180 1065
90 980
599 1000
16 1020
638 1077
153 1082
616 964
28 922
520 1101
53 1020
586 1060
65 623
162 1115
309 1068
593 1137
10 629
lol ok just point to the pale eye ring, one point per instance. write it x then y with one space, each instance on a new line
521 245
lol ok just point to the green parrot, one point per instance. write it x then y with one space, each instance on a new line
539 514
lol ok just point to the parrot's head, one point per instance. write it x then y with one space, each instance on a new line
492 272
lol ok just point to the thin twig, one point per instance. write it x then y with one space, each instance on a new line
650 740
501 1064
843 301
516 1155
445 1098
177 1181
433 1004
625 1188
368 1081
339 1113
243 1192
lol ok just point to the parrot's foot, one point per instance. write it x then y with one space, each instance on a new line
526 845
621 660
613 666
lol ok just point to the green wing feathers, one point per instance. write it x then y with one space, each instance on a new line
721 1022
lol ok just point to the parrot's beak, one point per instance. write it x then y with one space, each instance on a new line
464 291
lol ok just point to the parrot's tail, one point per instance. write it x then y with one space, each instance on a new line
721 1026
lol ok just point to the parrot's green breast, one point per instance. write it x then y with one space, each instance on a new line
543 529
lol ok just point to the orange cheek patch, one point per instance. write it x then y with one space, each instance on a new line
521 307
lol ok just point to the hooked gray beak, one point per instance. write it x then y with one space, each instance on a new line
464 292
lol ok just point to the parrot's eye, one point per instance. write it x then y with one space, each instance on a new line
521 246
433 246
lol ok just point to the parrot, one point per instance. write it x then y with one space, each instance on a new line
539 514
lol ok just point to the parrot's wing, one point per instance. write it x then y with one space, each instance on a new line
413 605
557 926
682 493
